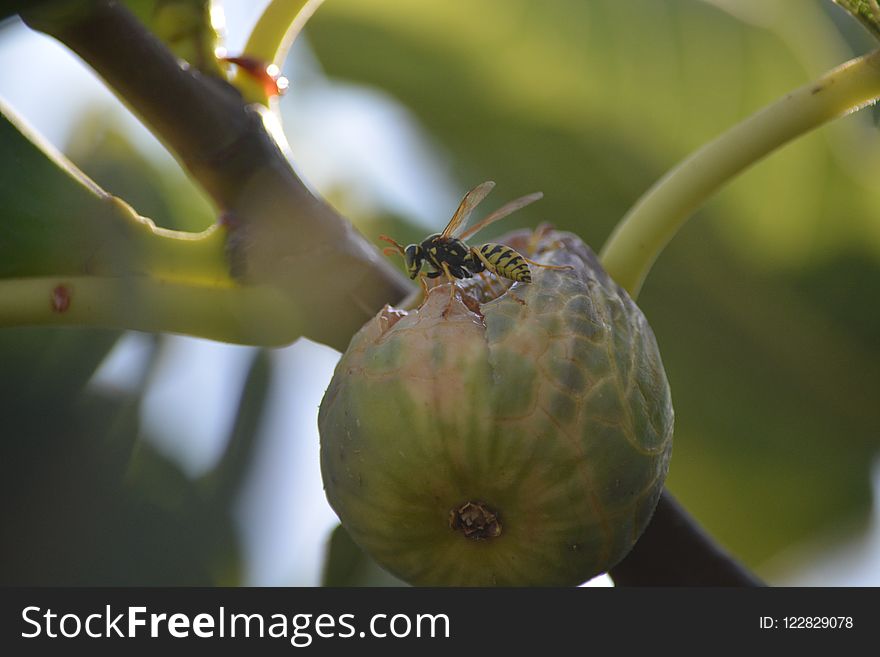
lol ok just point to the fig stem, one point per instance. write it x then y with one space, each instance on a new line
271 39
651 223
206 309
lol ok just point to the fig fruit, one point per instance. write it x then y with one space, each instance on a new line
521 440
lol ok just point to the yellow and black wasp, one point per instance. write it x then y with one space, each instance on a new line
447 254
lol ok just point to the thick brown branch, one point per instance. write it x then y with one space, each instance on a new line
281 234
202 119
675 551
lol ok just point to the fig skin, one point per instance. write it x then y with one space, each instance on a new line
523 441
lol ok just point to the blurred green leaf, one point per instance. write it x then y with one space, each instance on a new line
48 367
591 102
154 187
180 519
225 481
56 220
347 565
82 500
53 215
9 8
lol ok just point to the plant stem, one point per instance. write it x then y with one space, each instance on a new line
271 39
646 229
146 303
277 27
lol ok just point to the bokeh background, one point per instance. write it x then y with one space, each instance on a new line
129 458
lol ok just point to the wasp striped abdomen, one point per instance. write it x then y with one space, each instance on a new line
447 254
506 262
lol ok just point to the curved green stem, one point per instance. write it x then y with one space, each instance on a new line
271 39
196 257
646 229
229 313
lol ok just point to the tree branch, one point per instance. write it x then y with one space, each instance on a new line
675 551
279 233
200 118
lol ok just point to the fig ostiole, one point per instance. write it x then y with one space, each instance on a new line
520 440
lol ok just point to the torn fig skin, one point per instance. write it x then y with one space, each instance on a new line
514 436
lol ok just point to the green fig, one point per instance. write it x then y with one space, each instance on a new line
519 439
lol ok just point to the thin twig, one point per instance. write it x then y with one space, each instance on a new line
642 234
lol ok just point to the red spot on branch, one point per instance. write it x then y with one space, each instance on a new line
268 75
60 299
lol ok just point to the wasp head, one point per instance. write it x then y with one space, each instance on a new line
413 256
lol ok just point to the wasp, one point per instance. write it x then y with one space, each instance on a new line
448 255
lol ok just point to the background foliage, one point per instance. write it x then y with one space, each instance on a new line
763 307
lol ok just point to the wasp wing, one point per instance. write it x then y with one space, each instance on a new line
500 213
467 205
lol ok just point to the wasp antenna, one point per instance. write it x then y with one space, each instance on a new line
397 246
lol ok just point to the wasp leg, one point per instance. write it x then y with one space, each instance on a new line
486 282
490 284
488 265
424 283
492 270
538 264
539 234
536 236
451 280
